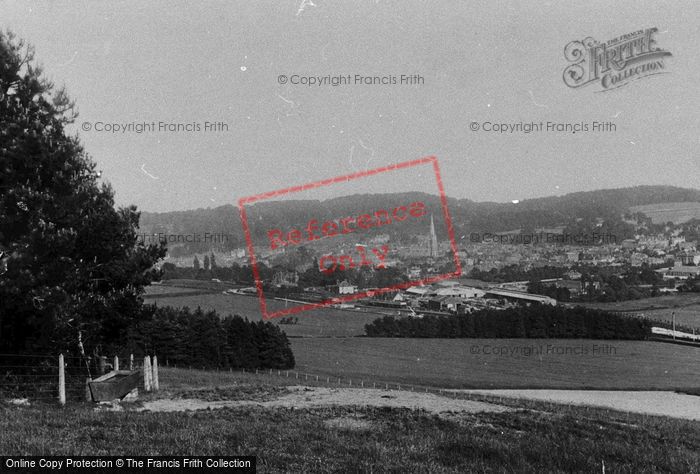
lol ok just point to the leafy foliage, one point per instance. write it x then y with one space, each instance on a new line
534 321
74 266
601 212
203 339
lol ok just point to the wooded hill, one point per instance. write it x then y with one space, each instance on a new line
576 212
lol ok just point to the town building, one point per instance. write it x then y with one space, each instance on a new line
346 288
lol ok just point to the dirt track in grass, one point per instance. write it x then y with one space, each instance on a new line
315 397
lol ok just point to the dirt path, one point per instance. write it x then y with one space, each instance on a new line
313 397
664 403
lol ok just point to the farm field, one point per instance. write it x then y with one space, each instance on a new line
450 363
676 212
154 290
330 322
325 322
686 306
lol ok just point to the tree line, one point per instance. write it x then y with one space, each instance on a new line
72 267
534 321
205 340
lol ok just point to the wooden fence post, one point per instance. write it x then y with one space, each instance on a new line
102 365
116 363
88 393
154 372
61 380
147 374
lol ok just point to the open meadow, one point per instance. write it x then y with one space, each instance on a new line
676 212
321 346
504 363
660 308
468 434
330 322
325 322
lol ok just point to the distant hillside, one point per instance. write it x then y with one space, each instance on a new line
575 211
676 212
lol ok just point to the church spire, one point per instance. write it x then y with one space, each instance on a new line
433 239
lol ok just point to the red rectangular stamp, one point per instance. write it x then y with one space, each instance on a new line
375 249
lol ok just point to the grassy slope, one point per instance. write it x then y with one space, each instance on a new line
537 438
686 306
670 211
450 363
333 323
324 322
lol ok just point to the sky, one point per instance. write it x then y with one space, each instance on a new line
134 62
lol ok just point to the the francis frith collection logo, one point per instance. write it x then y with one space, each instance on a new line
614 63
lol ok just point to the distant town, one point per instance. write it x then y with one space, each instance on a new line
498 270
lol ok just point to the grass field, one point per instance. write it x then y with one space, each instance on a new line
535 437
154 290
450 363
327 322
685 305
677 212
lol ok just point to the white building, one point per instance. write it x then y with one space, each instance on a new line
345 288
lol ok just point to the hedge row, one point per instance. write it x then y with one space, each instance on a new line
534 321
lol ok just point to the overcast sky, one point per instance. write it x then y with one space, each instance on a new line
187 62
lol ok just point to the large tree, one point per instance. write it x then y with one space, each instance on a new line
75 271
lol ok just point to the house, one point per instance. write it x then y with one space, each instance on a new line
399 298
445 303
414 273
637 259
345 288
573 275
281 279
680 272
687 246
629 244
574 286
692 259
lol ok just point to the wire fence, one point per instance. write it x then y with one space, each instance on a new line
333 380
453 393
38 377
356 382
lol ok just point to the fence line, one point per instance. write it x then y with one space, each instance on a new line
339 381
63 377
